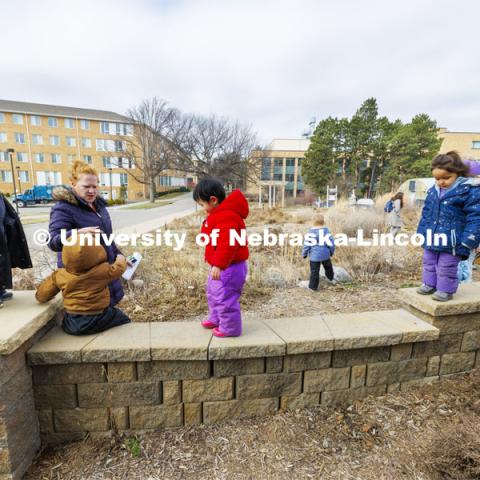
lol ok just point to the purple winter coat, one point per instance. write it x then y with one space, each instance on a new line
71 212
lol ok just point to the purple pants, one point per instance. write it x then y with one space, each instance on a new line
223 299
440 270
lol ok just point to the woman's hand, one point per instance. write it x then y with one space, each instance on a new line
90 230
215 273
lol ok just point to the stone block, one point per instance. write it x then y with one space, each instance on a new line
192 413
326 379
243 366
207 390
171 392
126 343
456 362
45 420
394 372
156 416
360 356
297 402
466 300
362 330
81 420
412 327
274 364
55 396
401 352
118 394
121 372
257 340
303 334
358 376
419 382
57 347
119 418
307 361
471 341
179 341
445 344
173 370
343 397
268 385
60 438
68 374
15 387
214 412
433 366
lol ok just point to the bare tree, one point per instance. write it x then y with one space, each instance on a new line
154 145
217 147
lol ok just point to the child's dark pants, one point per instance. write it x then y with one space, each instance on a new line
88 324
315 272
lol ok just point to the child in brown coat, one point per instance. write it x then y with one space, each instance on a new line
84 285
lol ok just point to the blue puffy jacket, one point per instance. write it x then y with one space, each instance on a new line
456 214
316 245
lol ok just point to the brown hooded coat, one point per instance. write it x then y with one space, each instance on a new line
83 281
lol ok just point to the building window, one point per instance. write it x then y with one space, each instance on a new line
19 137
87 142
476 144
49 178
70 141
6 176
124 179
70 159
3 156
87 158
23 176
266 169
68 122
37 140
107 162
85 124
2 117
119 146
22 157
54 140
52 122
105 128
3 137
56 158
39 157
290 162
17 119
35 120
411 186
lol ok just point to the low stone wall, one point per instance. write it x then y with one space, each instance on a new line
143 377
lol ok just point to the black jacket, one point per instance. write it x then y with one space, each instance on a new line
14 251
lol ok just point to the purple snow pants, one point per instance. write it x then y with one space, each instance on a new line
440 270
223 299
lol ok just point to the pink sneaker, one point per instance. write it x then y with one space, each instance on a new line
217 333
208 324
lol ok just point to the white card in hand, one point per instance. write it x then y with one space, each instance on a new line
135 259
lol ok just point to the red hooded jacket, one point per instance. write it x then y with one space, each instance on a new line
229 215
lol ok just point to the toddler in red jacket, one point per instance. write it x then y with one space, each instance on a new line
228 259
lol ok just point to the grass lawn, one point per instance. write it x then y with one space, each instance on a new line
158 202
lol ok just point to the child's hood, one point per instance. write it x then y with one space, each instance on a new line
81 258
235 202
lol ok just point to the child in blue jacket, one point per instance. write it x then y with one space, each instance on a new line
319 246
452 208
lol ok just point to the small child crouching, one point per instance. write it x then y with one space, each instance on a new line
84 285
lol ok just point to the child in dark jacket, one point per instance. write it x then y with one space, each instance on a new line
452 208
84 284
228 260
320 248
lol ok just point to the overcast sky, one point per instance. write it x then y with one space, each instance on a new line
271 64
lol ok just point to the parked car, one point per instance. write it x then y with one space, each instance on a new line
365 203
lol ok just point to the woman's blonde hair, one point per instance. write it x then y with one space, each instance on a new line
81 168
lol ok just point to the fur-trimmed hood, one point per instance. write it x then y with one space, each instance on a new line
66 194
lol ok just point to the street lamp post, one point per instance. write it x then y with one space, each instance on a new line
19 182
10 152
111 186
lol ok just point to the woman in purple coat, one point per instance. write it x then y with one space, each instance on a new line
78 207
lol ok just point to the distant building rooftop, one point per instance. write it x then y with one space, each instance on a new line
58 111
289 144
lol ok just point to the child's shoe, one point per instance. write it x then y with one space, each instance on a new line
426 290
442 296
208 324
4 295
218 333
